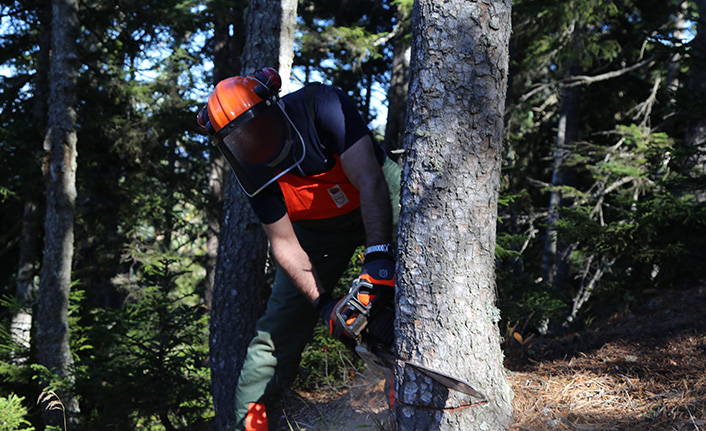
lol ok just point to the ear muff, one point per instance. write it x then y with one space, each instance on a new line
204 122
269 82
263 91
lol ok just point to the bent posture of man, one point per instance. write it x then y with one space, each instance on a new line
316 180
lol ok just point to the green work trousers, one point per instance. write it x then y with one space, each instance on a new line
274 354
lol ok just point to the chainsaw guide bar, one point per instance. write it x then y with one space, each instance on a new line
380 363
356 311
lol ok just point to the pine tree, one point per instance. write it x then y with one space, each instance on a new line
52 315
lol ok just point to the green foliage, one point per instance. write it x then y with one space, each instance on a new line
138 335
5 194
12 414
327 362
506 246
359 43
577 31
635 219
405 6
526 303
50 381
657 244
17 378
623 180
349 49
147 359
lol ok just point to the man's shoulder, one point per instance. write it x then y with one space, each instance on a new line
305 91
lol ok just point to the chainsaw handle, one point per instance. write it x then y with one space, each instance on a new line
351 313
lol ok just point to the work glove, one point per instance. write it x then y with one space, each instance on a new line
325 306
379 270
375 290
381 327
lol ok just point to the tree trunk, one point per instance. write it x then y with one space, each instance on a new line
239 291
21 324
217 178
60 143
226 59
696 127
676 61
397 93
270 37
237 299
227 50
447 318
555 257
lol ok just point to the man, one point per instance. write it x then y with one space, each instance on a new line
316 180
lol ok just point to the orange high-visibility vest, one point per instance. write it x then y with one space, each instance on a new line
320 196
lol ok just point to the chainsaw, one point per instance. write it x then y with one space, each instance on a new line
366 318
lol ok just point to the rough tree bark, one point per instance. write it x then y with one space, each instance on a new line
238 296
447 318
60 144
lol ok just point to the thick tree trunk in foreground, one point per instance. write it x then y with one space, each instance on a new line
237 299
447 319
238 296
60 143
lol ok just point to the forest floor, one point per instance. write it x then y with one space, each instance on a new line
640 370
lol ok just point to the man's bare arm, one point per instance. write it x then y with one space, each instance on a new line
364 172
292 258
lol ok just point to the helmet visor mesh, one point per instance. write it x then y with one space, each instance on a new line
262 148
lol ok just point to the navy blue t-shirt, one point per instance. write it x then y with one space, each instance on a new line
336 126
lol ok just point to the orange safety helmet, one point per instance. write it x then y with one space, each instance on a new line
252 129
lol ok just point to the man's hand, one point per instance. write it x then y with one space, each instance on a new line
375 291
379 269
325 307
